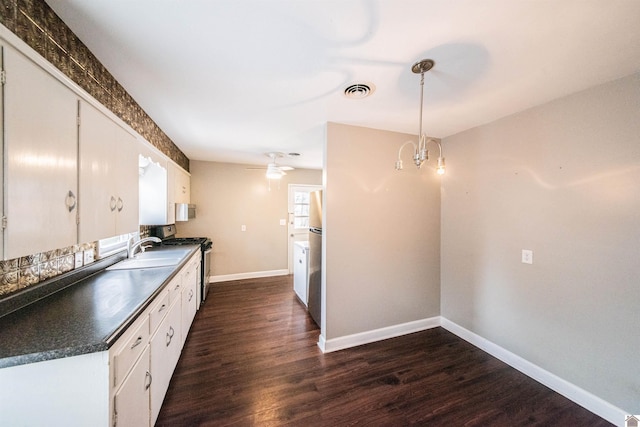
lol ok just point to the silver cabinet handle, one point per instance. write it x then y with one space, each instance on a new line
137 343
120 204
148 378
112 204
190 294
162 308
70 201
170 335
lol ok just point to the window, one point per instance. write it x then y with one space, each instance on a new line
301 209
112 245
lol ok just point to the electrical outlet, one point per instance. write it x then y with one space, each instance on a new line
527 256
78 259
243 227
88 256
283 222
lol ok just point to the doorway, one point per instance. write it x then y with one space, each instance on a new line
298 209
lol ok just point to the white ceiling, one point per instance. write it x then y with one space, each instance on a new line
229 80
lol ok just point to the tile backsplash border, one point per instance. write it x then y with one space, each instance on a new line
20 273
36 24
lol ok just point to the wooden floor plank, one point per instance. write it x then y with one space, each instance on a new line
252 359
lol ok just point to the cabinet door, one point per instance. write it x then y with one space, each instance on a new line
126 166
189 297
179 184
171 192
166 346
108 177
131 401
97 184
40 129
183 187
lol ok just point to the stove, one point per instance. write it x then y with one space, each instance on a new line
167 234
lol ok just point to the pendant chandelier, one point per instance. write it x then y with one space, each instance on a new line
420 152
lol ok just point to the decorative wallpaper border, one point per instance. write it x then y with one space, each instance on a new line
36 24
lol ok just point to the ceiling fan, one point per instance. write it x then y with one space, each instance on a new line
274 171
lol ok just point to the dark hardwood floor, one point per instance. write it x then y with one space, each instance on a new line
252 360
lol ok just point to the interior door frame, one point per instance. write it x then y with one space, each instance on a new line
291 235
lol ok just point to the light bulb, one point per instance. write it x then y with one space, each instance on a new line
440 169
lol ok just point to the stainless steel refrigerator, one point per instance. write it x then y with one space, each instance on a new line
315 256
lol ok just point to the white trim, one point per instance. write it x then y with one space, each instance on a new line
367 337
250 275
572 392
322 343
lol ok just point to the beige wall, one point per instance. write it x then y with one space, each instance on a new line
382 233
562 180
228 196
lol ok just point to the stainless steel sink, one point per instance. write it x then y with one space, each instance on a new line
163 253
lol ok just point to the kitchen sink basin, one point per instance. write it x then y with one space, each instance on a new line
162 253
133 263
155 257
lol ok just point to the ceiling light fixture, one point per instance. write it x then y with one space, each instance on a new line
421 154
273 171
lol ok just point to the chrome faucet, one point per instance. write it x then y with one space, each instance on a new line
132 247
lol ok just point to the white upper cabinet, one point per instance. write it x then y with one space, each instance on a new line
178 188
40 143
108 177
183 186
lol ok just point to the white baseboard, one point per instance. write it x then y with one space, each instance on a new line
367 337
582 397
250 275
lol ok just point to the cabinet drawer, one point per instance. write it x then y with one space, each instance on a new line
131 348
158 311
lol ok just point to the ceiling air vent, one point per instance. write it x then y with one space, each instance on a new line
359 90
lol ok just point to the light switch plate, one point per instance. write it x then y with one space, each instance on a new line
78 259
283 222
88 256
243 227
527 256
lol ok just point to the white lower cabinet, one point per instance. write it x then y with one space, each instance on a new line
167 326
166 345
120 387
190 285
131 402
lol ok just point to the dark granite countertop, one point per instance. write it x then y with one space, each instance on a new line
84 317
